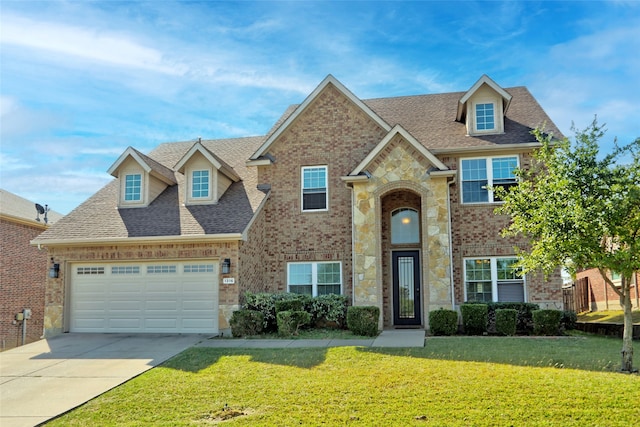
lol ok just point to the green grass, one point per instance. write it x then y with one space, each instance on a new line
608 317
470 381
314 334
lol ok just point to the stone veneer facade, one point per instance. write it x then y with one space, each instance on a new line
400 167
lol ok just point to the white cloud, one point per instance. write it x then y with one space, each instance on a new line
86 43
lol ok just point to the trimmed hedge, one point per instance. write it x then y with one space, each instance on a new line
506 320
266 304
290 322
246 322
289 305
569 320
363 320
474 318
329 310
443 322
546 322
524 322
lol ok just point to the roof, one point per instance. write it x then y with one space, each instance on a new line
17 208
99 220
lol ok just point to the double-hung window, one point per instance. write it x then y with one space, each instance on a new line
133 187
314 278
479 174
200 184
485 118
493 279
314 188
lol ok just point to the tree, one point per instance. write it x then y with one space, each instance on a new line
581 210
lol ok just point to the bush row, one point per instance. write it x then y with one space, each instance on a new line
502 319
287 313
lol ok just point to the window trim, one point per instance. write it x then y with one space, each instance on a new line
326 192
141 188
490 179
314 275
494 129
494 276
209 184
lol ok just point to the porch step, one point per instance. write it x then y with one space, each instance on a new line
400 338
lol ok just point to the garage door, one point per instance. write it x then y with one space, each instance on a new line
145 297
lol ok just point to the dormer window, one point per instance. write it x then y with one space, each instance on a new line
485 118
133 188
200 183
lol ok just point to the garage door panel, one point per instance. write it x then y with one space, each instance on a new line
152 297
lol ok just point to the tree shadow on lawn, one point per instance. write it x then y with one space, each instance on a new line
196 359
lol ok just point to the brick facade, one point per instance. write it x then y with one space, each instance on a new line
602 297
23 274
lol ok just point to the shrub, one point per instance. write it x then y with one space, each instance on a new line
443 322
524 321
289 305
546 322
363 320
474 318
506 320
329 310
568 320
246 322
289 322
266 304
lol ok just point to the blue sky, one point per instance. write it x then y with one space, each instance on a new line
81 81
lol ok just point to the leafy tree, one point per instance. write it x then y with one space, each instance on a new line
581 210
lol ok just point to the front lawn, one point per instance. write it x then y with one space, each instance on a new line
608 317
470 381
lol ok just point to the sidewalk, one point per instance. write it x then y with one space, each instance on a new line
391 338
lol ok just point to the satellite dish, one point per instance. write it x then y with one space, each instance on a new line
39 208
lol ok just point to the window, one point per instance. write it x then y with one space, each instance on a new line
161 269
132 187
200 184
314 188
315 278
198 268
493 279
125 270
90 270
485 117
481 173
404 226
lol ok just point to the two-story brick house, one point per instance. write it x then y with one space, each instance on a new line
385 200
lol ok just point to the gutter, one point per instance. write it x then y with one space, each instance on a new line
192 238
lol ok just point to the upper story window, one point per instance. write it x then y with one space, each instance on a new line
133 187
404 226
485 118
314 188
200 184
314 278
479 174
493 279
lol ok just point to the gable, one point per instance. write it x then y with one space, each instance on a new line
330 82
483 107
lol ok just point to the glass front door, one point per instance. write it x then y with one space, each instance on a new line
406 288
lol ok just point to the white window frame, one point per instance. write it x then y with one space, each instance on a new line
494 277
490 179
209 184
140 193
314 275
476 121
302 188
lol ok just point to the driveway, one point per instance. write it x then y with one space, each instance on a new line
46 378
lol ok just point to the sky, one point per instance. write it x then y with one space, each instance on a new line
80 81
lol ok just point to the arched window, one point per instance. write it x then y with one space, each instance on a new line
405 227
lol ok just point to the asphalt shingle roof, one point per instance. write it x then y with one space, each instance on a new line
429 118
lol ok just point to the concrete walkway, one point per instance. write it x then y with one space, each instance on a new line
46 378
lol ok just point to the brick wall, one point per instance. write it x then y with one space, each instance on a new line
602 296
333 132
23 272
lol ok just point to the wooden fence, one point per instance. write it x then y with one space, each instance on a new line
576 296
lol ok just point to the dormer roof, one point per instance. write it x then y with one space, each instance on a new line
149 165
216 161
462 110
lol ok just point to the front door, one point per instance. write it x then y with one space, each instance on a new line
406 288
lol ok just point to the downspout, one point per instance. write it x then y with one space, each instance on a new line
453 294
353 248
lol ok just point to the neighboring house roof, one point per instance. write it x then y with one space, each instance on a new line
16 208
99 220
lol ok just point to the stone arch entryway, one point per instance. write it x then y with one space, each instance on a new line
401 249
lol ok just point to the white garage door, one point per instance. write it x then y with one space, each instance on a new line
145 297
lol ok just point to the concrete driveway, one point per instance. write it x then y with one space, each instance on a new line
46 378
